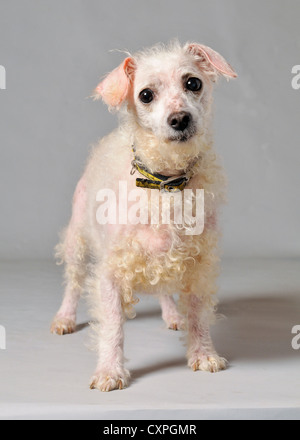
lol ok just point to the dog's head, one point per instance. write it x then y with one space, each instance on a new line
168 89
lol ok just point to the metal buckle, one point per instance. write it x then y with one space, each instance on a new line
134 168
170 180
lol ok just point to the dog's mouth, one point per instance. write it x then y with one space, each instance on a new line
183 136
181 139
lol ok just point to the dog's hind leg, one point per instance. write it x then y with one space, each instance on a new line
72 250
65 319
201 352
173 319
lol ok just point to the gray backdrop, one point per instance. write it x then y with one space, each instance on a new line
54 52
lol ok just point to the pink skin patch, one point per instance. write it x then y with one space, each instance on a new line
79 202
211 221
78 213
154 241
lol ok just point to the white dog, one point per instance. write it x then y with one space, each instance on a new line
161 152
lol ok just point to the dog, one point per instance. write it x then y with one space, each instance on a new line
161 150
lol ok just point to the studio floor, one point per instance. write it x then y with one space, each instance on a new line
44 376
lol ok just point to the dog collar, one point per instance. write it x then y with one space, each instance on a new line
159 181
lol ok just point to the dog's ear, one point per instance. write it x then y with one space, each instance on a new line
115 88
213 59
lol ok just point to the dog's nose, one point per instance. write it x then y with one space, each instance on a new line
179 121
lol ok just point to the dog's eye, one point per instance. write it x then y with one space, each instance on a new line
146 96
194 84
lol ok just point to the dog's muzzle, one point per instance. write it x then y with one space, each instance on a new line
183 126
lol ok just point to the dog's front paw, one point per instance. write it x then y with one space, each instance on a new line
62 326
212 363
110 380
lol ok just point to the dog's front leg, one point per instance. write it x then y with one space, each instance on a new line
201 352
107 309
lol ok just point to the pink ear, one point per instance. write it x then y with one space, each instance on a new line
115 87
214 59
